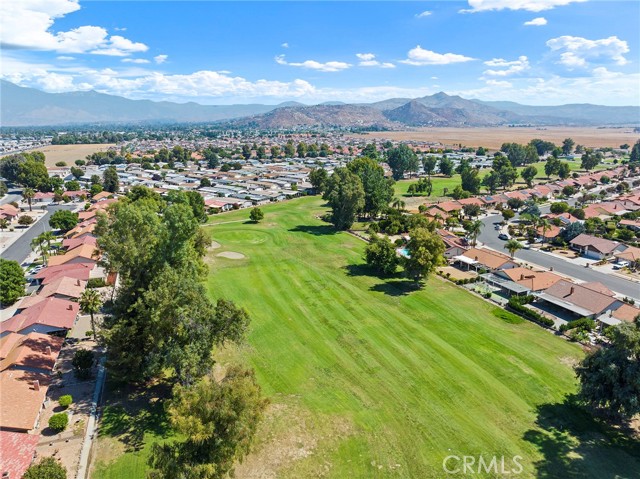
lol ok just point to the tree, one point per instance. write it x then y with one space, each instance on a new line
507 174
542 147
559 207
32 174
73 185
512 246
345 196
289 150
473 229
634 157
64 220
77 172
256 215
471 210
491 181
567 146
573 230
82 363
528 174
95 189
552 166
378 190
4 224
370 151
217 420
28 195
301 150
569 190
47 468
531 155
401 159
318 179
470 181
425 251
110 180
90 303
481 151
564 170
398 204
211 158
43 243
590 160
275 151
429 164
445 166
508 214
11 282
25 220
380 255
609 375
516 153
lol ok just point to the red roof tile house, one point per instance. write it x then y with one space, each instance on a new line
8 212
42 315
18 451
594 247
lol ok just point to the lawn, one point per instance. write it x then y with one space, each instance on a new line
369 378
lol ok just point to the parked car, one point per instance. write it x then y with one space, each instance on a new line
621 264
497 227
503 236
526 246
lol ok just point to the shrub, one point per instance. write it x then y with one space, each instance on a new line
582 324
25 220
515 305
95 283
65 400
47 468
58 422
61 163
82 363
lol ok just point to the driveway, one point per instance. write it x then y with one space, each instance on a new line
489 237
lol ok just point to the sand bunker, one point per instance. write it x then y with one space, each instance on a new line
215 245
231 255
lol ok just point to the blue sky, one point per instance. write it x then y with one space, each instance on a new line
530 51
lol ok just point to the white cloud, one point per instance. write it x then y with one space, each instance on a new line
369 60
27 24
510 67
499 83
285 45
135 60
528 5
160 59
536 22
424 14
332 66
120 29
578 52
65 58
419 56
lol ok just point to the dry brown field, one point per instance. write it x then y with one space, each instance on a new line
70 153
493 138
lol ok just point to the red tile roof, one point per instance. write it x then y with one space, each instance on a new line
54 312
18 450
23 393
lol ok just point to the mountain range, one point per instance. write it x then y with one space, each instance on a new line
21 106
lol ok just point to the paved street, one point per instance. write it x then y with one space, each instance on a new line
19 250
489 237
14 194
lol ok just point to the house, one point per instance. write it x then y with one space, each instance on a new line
32 352
64 287
582 300
23 394
624 313
630 254
18 451
8 212
548 233
533 280
482 258
455 245
594 247
72 243
80 271
43 315
85 253
630 224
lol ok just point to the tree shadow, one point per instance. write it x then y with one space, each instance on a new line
574 444
359 270
319 230
396 287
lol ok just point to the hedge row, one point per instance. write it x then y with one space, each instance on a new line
515 305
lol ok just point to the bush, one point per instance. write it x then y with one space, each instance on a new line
47 468
582 324
25 220
65 400
82 363
96 283
516 306
58 422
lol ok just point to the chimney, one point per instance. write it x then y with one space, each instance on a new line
49 350
571 290
36 385
70 307
521 276
77 282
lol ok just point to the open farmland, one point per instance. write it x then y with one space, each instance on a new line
493 138
70 153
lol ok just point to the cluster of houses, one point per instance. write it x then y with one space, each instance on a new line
32 338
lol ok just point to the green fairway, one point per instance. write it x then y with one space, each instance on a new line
369 378
375 380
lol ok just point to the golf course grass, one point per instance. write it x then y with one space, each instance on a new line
370 378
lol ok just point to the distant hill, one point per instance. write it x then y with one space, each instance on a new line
30 107
21 106
337 116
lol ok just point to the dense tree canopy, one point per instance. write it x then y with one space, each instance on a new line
380 255
345 195
426 250
64 220
110 181
378 190
11 282
318 179
402 159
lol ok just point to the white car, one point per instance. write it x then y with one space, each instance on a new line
621 264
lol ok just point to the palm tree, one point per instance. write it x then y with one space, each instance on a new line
27 195
39 243
474 228
512 246
4 224
398 204
545 225
90 302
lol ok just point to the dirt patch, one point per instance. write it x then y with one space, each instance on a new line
70 153
288 435
231 255
493 138
569 361
455 273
